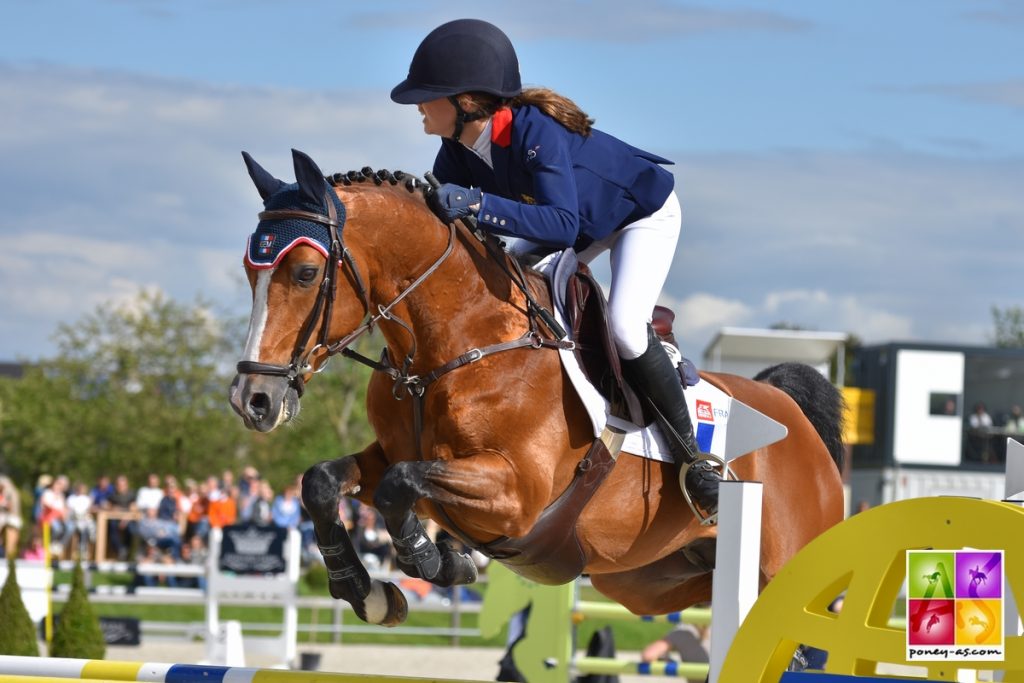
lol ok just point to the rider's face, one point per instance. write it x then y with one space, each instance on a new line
438 117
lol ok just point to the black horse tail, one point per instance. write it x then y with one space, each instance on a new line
818 398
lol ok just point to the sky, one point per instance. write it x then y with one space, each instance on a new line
850 166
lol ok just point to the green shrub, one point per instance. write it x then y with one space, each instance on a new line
316 578
18 635
78 633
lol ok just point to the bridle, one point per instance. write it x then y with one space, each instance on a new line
301 361
405 383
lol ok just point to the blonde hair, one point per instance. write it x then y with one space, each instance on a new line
559 107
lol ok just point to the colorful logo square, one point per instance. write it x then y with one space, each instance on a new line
979 622
979 574
930 575
931 622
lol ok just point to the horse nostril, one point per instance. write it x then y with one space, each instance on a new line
259 406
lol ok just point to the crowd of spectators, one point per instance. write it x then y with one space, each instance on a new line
167 521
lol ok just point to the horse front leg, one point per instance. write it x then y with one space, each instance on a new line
403 485
323 486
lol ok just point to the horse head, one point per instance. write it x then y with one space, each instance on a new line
291 263
320 262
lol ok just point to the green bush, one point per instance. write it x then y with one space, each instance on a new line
18 635
316 578
77 633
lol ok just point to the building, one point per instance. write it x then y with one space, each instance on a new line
920 399
747 351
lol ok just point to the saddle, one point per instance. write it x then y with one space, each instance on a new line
587 312
550 553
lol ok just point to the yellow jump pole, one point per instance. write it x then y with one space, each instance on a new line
49 585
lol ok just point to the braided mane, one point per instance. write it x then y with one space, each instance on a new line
412 183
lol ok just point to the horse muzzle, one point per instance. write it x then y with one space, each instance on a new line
264 402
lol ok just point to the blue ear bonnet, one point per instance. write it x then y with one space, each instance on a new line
275 238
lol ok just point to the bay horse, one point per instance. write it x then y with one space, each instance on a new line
477 426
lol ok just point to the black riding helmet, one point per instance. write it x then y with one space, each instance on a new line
465 55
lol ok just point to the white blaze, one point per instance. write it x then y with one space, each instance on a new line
258 319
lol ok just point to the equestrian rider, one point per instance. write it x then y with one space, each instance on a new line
528 164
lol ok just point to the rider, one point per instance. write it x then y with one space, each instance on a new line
528 164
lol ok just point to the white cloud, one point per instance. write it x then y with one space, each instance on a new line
646 20
703 313
1009 93
113 182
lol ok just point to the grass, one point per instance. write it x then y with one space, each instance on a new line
628 635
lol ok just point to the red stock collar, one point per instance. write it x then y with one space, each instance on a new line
501 127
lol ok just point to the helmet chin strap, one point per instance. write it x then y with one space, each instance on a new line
462 117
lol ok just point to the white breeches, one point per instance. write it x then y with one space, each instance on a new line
641 255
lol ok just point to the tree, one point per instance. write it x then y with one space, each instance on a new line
142 387
1009 327
18 635
78 633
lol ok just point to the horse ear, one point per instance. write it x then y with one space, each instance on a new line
265 183
310 178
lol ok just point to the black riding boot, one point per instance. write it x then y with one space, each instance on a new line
653 376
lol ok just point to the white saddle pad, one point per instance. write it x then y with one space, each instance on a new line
723 425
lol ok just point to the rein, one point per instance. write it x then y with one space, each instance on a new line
323 307
415 385
549 538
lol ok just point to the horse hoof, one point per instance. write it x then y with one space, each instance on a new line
459 569
397 605
384 605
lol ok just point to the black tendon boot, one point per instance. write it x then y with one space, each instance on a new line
653 376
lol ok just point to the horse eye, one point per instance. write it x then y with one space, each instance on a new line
306 275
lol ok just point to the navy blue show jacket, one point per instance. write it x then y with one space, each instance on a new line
555 187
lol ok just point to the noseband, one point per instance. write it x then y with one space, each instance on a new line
301 361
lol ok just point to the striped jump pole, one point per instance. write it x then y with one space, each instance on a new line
618 667
57 670
610 611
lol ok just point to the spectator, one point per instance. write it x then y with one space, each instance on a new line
168 510
101 491
685 640
150 495
980 418
978 441
249 489
287 512
227 480
43 482
184 496
310 549
250 481
163 534
81 519
153 554
195 553
1015 422
35 549
120 532
10 515
261 510
197 523
372 542
53 510
223 510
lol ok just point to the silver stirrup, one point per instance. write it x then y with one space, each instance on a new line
727 474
